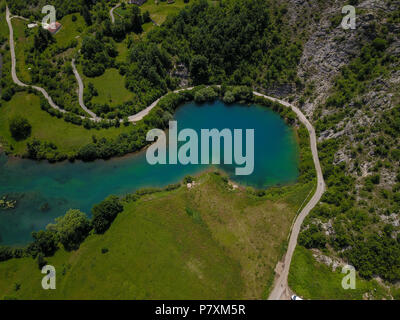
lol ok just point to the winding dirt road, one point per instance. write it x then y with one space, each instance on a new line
112 12
281 289
80 93
13 66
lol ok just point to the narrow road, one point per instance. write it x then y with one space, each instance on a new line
281 287
112 12
140 115
80 93
13 65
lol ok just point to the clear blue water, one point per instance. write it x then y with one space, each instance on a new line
45 191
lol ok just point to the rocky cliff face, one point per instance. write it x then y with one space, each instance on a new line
366 142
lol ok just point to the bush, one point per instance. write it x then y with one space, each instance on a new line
104 213
41 261
45 242
188 179
72 229
20 128
6 253
229 97
312 237
205 94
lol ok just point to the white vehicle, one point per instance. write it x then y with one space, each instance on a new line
294 297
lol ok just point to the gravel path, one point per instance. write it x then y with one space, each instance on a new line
80 93
13 65
281 288
112 12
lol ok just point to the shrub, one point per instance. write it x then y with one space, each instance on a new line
45 242
229 97
205 94
105 212
72 228
20 128
188 179
41 261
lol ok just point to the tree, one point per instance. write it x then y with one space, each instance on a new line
88 152
199 69
20 128
42 39
72 229
136 20
146 17
86 15
41 261
229 97
45 242
105 212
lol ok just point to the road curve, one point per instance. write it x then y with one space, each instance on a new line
112 12
80 93
281 287
13 66
140 115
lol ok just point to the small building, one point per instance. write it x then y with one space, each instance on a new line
32 25
53 28
137 2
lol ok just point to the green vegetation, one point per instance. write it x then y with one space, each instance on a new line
71 29
159 12
110 89
313 280
33 9
104 214
22 43
66 137
359 204
20 128
159 117
146 62
225 247
71 229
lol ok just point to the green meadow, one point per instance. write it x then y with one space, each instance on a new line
208 242
22 42
70 29
158 10
110 87
311 279
66 136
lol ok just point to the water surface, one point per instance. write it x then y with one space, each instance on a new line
45 191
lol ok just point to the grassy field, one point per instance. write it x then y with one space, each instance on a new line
111 88
122 52
208 242
4 32
158 12
313 280
66 136
21 43
70 29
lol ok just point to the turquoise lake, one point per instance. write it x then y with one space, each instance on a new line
45 191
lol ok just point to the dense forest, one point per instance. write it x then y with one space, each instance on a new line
242 42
